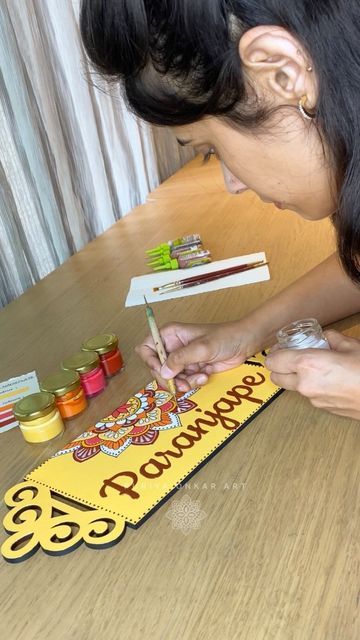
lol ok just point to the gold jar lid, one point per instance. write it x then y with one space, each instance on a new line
82 361
35 405
103 343
61 382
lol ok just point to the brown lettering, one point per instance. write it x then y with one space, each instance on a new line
226 423
251 380
158 466
189 440
110 482
180 446
198 430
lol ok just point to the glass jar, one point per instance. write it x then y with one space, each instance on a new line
106 345
302 334
87 365
68 392
39 417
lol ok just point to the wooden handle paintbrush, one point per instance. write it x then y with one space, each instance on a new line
158 343
204 278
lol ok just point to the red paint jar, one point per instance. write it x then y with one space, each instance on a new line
106 345
88 366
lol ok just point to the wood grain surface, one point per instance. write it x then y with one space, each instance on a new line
277 555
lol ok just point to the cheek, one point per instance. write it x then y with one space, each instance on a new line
252 170
232 183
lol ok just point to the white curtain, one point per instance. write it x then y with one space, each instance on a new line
73 160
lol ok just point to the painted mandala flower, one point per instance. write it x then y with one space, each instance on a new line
137 422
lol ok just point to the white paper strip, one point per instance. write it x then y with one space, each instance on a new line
143 285
11 391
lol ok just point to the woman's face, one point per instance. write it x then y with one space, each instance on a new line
284 165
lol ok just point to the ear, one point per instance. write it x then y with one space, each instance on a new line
278 64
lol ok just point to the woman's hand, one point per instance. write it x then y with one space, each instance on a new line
330 379
196 351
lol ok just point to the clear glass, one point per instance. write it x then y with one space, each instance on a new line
302 334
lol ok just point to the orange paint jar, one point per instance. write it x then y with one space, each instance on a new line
69 394
107 346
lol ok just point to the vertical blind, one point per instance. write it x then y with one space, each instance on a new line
73 160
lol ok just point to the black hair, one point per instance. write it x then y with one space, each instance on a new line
178 62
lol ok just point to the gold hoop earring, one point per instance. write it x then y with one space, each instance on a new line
305 114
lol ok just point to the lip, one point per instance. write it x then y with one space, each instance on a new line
279 205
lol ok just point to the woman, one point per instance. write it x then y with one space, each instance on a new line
273 88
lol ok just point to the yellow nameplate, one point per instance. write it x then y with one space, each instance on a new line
123 467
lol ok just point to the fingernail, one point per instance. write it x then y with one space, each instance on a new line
201 380
166 372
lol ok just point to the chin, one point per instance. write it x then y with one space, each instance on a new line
306 216
313 216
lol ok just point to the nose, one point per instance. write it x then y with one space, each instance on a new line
233 184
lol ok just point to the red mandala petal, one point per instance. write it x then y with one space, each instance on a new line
138 430
94 441
169 407
145 438
185 405
82 454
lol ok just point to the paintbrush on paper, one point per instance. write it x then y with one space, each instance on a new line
208 277
158 343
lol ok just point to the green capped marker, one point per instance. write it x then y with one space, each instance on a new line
159 249
159 261
168 266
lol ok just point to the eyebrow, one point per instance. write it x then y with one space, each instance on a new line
182 142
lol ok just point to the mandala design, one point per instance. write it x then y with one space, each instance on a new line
186 514
137 422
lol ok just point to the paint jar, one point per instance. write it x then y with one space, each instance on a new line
87 364
39 417
67 389
302 334
107 346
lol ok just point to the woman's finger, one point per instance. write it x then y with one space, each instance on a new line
198 380
340 342
149 356
287 381
181 359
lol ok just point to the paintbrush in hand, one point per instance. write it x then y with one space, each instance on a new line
158 344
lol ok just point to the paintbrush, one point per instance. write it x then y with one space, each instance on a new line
158 344
208 277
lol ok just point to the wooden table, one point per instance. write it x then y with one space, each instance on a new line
277 555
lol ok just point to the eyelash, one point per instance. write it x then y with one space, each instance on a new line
208 155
